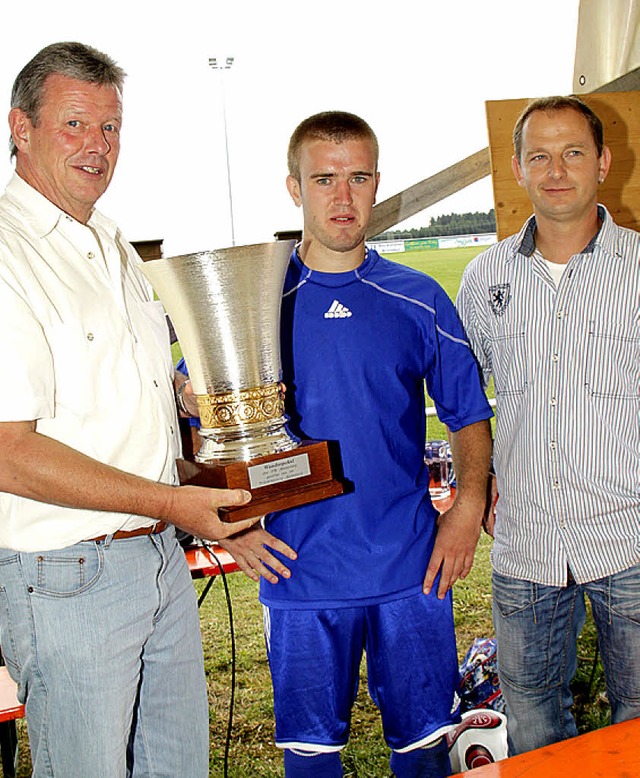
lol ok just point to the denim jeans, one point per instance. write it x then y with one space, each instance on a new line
104 641
537 628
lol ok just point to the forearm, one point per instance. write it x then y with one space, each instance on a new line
459 527
43 469
471 451
40 468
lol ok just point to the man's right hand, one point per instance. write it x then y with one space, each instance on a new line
194 509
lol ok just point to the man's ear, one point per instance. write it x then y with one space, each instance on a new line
20 126
293 186
605 163
517 170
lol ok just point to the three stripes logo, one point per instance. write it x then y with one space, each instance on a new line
337 311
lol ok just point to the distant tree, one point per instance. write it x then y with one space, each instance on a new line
447 224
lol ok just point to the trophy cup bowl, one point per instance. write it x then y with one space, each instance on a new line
225 308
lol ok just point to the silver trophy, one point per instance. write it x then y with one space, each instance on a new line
225 308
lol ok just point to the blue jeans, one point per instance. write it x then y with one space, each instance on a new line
104 642
537 628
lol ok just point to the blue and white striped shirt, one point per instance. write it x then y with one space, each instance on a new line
566 368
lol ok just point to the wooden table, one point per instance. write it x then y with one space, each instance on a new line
610 752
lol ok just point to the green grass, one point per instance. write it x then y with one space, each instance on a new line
252 752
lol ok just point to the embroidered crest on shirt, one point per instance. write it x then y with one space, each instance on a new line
499 298
337 311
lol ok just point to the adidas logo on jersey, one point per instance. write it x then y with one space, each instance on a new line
337 311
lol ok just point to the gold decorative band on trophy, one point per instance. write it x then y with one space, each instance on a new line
240 407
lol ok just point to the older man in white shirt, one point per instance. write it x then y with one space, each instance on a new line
98 618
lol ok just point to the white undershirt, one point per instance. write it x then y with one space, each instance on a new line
556 269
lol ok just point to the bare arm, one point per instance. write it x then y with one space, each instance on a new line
40 468
251 551
459 527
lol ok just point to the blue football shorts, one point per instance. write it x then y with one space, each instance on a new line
412 668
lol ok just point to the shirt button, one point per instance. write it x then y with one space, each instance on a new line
155 383
171 428
90 336
90 255
552 401
552 445
555 357
560 314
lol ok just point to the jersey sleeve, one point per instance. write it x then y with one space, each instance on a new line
453 379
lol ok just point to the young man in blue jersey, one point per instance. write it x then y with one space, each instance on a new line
374 567
553 314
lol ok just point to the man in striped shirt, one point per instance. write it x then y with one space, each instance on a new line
553 314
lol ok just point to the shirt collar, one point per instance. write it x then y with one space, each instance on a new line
605 238
43 216
337 279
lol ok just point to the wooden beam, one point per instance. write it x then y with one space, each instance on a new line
425 193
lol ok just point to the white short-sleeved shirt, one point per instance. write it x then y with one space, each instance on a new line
86 355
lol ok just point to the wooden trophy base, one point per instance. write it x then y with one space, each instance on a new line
276 481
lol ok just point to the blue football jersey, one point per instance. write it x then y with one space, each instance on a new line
357 349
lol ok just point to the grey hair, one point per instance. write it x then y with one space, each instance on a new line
71 59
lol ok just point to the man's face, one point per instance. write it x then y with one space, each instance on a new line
337 190
559 164
71 154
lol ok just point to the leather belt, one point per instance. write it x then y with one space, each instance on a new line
154 529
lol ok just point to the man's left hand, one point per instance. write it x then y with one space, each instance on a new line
250 549
454 549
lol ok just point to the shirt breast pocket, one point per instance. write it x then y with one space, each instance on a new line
510 360
613 362
76 352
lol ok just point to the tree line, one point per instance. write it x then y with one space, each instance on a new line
447 224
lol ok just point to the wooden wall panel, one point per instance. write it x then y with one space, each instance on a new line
620 193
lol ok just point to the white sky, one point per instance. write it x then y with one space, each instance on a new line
419 71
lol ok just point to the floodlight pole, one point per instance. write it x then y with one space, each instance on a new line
221 67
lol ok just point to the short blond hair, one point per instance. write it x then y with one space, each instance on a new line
336 126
